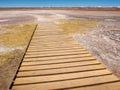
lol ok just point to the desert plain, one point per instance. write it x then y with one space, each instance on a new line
96 31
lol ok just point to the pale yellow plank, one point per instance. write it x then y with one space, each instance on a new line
60 77
58 71
68 84
87 59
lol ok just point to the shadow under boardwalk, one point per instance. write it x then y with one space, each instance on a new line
55 61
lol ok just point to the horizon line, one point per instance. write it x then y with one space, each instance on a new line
66 7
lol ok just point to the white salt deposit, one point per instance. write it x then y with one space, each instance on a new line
4 49
3 20
42 19
61 16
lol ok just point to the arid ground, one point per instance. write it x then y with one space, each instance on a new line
97 31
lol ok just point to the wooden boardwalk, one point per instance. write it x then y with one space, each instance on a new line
55 61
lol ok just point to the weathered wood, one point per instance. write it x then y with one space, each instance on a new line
55 61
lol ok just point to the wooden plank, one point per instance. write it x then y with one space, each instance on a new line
63 85
54 54
57 52
63 60
55 45
55 49
53 42
54 66
55 61
52 47
58 71
115 85
43 79
50 44
57 57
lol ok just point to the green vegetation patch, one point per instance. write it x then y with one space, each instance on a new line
76 26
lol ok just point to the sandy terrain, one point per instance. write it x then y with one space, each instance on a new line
98 31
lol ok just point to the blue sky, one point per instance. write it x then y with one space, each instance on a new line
57 3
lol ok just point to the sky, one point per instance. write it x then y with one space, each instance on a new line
59 3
